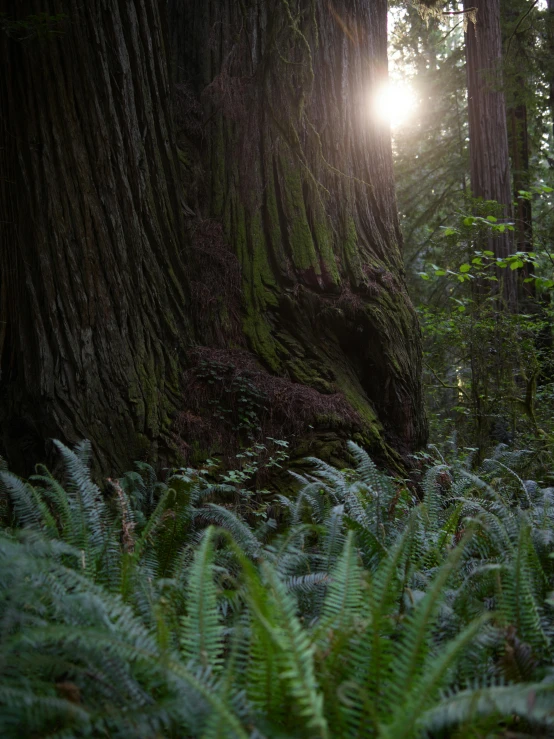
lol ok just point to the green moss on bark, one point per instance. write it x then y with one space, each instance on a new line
301 243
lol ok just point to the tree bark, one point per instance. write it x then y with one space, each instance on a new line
92 288
518 140
488 134
519 147
299 172
97 308
550 36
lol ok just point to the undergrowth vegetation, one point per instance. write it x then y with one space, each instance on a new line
349 610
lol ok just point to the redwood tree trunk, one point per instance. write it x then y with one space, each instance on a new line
519 145
95 307
299 171
518 139
92 291
488 134
550 21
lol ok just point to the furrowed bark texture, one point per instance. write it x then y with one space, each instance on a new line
92 292
299 172
488 133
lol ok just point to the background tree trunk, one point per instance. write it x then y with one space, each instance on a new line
518 93
488 134
92 289
299 172
550 21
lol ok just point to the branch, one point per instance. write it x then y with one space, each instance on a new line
448 387
459 12
518 24
459 23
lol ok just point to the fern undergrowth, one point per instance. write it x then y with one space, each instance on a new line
153 609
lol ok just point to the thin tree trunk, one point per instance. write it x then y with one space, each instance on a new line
488 134
518 138
519 151
546 337
299 171
550 19
92 289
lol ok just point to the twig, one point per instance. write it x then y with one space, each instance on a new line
459 23
518 24
459 12
448 387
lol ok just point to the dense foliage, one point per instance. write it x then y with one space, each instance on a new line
349 609
488 369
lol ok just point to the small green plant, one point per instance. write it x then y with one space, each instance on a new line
485 362
255 458
238 401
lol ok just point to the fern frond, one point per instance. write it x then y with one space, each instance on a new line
432 501
532 702
89 504
343 599
413 647
228 520
23 711
201 633
433 674
295 651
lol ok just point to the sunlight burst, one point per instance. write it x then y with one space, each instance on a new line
394 102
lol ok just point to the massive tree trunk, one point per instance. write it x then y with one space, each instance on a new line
488 134
92 289
299 172
284 165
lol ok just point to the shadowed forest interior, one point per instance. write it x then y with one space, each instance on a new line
277 368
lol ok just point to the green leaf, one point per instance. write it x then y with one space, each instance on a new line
492 219
465 268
